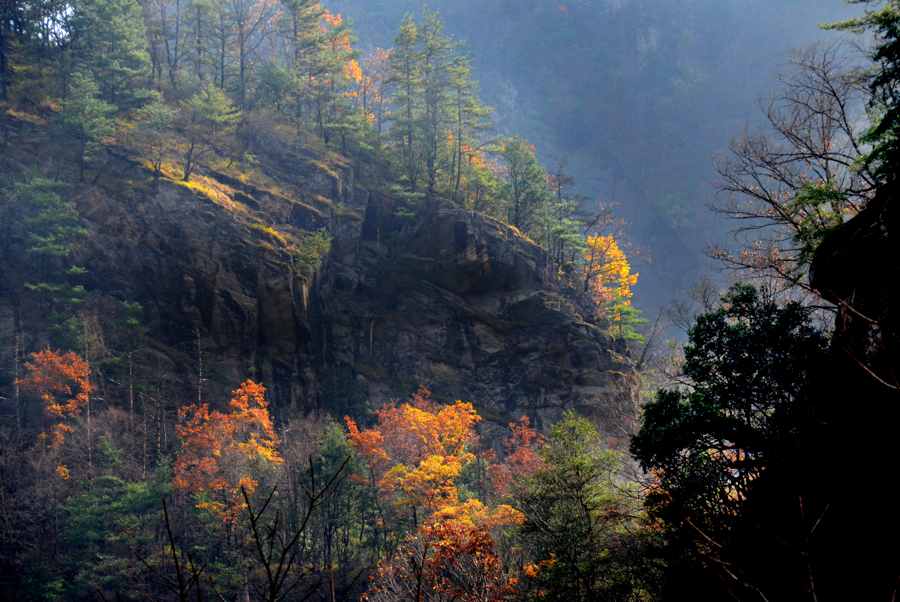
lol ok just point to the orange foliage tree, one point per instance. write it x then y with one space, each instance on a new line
522 459
451 557
220 453
414 457
367 90
418 451
62 383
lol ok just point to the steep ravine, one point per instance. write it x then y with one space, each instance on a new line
448 299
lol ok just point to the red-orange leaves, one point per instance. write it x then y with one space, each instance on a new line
415 455
61 382
444 560
521 456
424 444
370 445
220 452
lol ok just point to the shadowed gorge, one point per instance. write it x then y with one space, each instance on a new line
345 302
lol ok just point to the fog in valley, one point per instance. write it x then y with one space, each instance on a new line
637 95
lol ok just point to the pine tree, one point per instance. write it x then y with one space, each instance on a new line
438 59
208 114
406 78
472 120
110 44
198 18
12 17
87 117
438 118
156 119
331 106
526 192
884 135
299 26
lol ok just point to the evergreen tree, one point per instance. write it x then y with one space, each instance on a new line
472 120
275 85
110 45
87 118
299 27
722 451
221 32
884 135
39 221
406 78
581 521
438 118
155 121
208 114
560 231
198 18
525 192
439 64
12 19
331 106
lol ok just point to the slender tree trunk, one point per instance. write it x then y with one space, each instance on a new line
144 454
199 64
242 46
5 18
131 388
222 40
158 430
19 353
199 370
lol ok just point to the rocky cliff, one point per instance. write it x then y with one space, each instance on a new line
444 297
473 310
857 268
858 403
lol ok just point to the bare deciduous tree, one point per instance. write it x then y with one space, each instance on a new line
799 177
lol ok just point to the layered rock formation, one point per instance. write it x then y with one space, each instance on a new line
468 307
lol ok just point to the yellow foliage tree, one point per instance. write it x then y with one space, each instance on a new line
421 449
606 271
607 276
414 457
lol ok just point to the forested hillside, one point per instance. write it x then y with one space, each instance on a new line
236 250
287 316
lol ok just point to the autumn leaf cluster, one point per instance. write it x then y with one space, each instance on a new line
219 452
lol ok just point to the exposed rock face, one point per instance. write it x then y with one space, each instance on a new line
449 299
204 277
859 269
468 307
859 401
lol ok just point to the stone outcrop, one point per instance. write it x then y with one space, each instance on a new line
468 307
445 298
858 268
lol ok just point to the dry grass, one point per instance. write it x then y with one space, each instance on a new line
269 231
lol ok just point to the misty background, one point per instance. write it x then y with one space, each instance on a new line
637 95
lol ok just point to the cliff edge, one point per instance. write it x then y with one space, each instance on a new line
440 296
